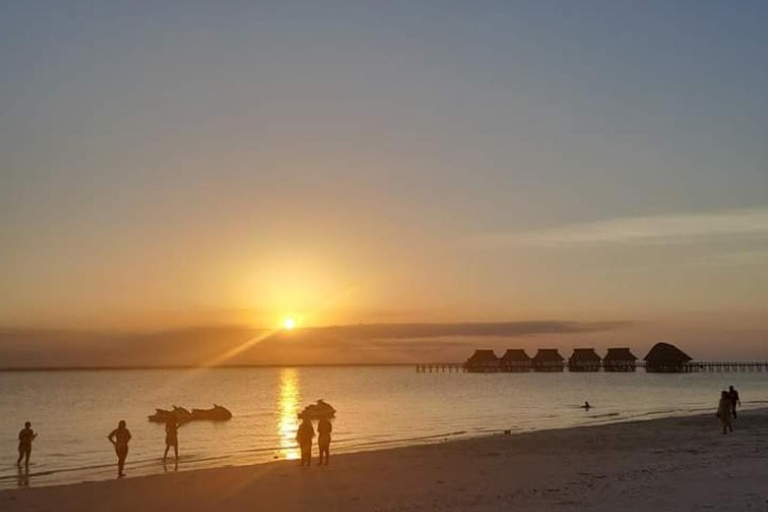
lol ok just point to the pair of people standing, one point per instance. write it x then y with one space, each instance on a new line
121 436
726 408
306 434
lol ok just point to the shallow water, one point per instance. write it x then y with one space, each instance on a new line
378 407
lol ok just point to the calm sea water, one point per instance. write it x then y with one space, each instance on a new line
377 408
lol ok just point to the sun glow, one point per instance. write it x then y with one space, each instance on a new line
289 323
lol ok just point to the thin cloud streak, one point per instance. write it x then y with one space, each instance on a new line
651 230
738 259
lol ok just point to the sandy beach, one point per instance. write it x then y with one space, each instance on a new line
665 464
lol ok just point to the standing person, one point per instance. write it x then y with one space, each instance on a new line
324 429
119 439
304 437
724 411
735 399
26 436
171 437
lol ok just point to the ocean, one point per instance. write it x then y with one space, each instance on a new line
378 407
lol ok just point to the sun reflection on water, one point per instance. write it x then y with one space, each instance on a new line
288 424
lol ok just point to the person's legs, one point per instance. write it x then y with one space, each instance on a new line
27 453
176 450
21 455
121 456
324 451
165 454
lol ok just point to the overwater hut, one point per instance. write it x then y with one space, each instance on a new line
482 361
547 360
666 358
619 360
515 360
584 360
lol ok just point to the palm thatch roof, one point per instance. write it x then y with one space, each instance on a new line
515 355
619 354
546 355
483 356
666 353
585 355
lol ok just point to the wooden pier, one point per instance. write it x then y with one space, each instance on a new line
725 366
440 367
690 367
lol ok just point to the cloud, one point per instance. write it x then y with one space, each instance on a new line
737 259
661 229
455 330
350 344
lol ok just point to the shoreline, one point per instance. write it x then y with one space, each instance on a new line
143 468
582 468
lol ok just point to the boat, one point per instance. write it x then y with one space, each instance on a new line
318 411
183 415
180 414
215 413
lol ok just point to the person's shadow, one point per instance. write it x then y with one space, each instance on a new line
22 477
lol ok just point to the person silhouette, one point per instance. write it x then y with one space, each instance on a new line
172 437
324 429
26 436
119 439
724 409
735 399
304 437
586 406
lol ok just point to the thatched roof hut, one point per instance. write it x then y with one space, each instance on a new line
666 358
619 360
482 361
584 360
547 360
514 360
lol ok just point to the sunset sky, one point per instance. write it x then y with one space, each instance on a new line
174 164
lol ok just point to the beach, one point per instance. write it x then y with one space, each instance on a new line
678 464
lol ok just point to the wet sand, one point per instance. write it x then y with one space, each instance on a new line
672 464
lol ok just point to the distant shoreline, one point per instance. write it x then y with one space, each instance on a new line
22 369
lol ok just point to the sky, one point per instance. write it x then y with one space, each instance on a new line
176 164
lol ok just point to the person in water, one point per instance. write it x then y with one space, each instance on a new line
304 437
735 399
119 439
586 406
324 429
26 436
172 437
724 411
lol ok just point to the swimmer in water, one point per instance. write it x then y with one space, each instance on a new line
586 406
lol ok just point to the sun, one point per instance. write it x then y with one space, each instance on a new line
289 323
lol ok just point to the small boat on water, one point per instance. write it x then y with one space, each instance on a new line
318 411
183 415
215 413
